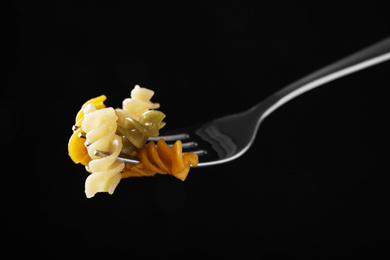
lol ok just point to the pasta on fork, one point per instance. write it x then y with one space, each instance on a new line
124 131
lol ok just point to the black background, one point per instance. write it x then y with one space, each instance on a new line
311 187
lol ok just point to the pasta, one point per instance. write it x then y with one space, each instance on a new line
163 160
138 104
100 127
138 131
124 131
77 150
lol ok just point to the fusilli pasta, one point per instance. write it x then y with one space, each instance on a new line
126 130
100 127
77 150
138 131
136 105
162 159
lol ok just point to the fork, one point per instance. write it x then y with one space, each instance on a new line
227 138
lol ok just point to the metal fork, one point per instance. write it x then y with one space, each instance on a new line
224 139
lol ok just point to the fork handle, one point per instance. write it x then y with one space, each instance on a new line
367 57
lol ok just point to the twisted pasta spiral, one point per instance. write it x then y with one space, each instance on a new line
100 126
138 104
124 131
137 132
76 148
163 160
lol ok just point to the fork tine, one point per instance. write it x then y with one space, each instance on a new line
187 146
169 138
134 160
81 135
190 146
122 157
199 152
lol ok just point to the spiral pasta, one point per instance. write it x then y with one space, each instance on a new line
162 159
100 127
137 132
76 148
136 105
124 131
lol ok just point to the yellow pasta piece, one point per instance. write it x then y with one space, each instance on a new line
77 150
97 101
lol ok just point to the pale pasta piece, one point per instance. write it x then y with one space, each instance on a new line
139 102
122 115
100 127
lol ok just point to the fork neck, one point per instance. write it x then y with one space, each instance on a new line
370 56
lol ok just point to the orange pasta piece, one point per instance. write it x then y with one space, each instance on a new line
165 153
127 174
162 160
137 171
143 155
191 158
154 156
188 158
177 162
183 174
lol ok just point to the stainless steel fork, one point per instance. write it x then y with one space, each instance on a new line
224 139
